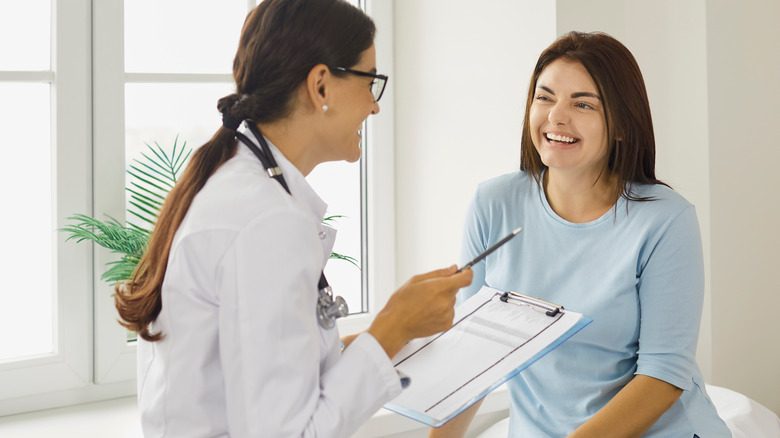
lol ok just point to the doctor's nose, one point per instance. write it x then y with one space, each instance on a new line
375 108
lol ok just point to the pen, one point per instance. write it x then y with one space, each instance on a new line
489 250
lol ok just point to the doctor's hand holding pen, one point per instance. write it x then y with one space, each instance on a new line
423 306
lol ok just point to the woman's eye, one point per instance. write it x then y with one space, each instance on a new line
542 98
583 105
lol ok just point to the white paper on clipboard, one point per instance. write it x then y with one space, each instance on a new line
490 342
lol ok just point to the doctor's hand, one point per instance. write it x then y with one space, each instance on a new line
423 306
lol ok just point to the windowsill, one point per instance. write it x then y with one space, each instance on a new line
119 418
115 418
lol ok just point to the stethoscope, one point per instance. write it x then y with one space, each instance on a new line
329 309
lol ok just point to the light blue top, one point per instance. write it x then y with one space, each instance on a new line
637 270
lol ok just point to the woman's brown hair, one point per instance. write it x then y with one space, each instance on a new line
630 138
281 41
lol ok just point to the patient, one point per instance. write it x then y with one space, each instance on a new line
602 236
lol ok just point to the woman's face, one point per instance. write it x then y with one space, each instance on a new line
352 103
567 121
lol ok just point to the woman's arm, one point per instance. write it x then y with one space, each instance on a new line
632 411
457 427
346 340
673 273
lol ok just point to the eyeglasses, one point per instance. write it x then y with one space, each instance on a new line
377 85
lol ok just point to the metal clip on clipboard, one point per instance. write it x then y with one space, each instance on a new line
550 308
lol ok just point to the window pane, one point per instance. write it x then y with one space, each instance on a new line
26 191
176 36
25 34
338 184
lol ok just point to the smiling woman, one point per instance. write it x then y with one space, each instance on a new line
605 238
568 125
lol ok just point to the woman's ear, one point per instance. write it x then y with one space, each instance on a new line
318 84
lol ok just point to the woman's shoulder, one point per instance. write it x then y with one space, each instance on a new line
657 200
506 185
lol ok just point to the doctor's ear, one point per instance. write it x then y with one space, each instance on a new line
318 84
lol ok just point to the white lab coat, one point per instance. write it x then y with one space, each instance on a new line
243 353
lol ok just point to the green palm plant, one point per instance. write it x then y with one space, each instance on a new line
152 178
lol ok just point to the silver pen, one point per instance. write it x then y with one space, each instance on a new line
491 249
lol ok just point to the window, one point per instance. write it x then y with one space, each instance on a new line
90 83
25 88
44 85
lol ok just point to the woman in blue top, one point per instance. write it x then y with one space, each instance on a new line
604 237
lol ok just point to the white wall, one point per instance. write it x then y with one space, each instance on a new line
461 73
711 68
743 64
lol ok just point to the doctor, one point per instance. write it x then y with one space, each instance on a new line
234 317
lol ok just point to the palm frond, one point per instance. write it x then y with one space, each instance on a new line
346 258
149 179
110 234
155 168
329 220
141 191
142 213
181 159
154 177
120 270
155 202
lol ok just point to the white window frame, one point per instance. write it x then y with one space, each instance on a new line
379 182
65 376
93 360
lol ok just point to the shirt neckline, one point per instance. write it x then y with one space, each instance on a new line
609 214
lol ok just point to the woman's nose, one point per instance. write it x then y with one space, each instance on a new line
558 115
375 108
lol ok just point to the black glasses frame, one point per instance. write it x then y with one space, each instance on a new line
382 78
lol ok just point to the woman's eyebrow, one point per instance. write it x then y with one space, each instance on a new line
585 94
546 89
573 95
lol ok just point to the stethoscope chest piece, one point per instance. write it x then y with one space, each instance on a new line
330 309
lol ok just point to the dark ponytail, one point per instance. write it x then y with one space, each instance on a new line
139 300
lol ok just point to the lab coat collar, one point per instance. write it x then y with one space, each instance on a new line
299 187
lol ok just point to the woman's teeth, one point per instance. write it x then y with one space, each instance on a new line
561 138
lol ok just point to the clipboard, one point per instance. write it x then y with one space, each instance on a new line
495 336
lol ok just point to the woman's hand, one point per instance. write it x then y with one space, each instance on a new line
423 306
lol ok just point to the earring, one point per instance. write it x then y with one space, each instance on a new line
324 108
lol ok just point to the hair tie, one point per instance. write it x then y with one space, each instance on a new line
230 122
